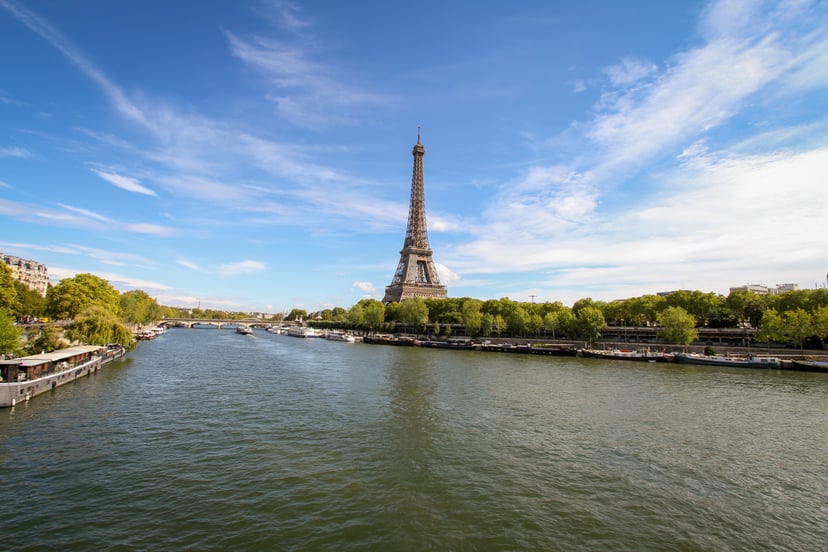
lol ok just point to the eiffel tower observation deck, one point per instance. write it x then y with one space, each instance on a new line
416 275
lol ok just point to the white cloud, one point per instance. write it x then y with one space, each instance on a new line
308 93
367 287
150 228
18 152
124 182
188 264
630 71
117 281
445 273
241 267
86 213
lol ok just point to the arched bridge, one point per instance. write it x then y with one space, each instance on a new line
219 324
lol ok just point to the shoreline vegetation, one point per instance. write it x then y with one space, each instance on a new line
88 309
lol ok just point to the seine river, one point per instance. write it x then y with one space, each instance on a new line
208 440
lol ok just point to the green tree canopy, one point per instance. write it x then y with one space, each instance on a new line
73 295
820 324
45 338
413 312
374 313
30 302
589 323
356 316
297 314
137 307
8 292
676 325
516 321
798 326
472 316
559 322
98 326
771 327
9 333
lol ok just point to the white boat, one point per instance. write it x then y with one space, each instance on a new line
626 354
303 331
244 329
750 361
339 336
29 376
276 330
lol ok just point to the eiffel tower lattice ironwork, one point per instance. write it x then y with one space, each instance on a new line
416 275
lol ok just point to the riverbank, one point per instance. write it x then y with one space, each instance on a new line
608 350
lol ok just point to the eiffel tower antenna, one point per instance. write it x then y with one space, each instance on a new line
416 275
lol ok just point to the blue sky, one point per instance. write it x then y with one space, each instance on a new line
256 156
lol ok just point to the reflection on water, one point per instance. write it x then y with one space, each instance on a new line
210 440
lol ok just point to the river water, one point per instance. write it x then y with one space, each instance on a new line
208 440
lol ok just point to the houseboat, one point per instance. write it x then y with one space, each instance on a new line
750 361
26 377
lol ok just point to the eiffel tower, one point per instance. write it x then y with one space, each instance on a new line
416 275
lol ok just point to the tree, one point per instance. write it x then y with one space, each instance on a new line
486 325
534 323
771 327
31 304
9 333
98 326
676 325
589 323
413 312
73 295
582 304
46 340
820 324
137 307
516 322
748 306
374 313
356 316
297 314
472 316
561 321
798 326
8 292
723 317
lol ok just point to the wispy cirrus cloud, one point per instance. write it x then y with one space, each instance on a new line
573 220
20 153
124 182
307 92
199 158
189 264
241 267
78 217
120 281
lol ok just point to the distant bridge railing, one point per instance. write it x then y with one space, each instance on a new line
217 323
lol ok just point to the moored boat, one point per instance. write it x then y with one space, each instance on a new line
340 336
626 354
810 365
750 361
303 331
29 376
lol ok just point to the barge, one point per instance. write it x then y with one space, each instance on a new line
26 377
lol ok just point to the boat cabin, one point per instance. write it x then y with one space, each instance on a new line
9 369
38 366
